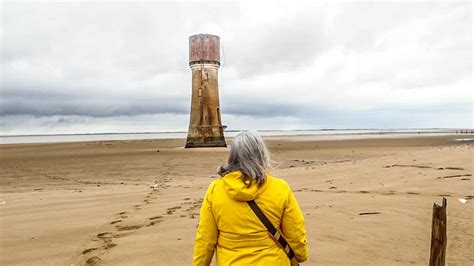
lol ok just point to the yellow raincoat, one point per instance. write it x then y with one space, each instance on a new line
228 224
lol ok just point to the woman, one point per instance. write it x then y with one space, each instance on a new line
229 224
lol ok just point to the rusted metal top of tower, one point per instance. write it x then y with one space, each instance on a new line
204 48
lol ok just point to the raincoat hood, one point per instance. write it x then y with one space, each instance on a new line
240 191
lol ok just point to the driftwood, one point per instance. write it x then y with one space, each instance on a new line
438 235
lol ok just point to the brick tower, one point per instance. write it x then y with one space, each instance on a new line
205 126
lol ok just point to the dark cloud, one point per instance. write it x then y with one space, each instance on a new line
41 103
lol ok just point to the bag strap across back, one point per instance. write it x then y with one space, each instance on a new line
271 229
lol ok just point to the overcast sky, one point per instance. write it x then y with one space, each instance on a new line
123 67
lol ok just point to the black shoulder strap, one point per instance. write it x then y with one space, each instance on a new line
275 233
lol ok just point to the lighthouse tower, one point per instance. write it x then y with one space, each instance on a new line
205 125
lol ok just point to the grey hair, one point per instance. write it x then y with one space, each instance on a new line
249 155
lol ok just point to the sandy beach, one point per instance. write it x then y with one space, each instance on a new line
136 202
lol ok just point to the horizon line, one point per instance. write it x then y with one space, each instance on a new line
233 130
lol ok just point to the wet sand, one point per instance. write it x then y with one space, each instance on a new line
366 202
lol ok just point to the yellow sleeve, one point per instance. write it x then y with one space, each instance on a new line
292 226
206 236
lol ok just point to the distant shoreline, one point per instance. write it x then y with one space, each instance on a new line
316 134
259 130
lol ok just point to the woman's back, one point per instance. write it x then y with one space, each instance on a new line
241 239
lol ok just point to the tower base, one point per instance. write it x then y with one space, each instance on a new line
197 142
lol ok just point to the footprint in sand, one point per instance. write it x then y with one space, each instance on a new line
122 214
88 250
120 235
93 260
154 222
109 245
105 235
128 227
172 209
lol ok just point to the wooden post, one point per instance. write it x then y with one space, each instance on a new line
438 235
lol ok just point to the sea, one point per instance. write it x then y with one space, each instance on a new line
316 134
